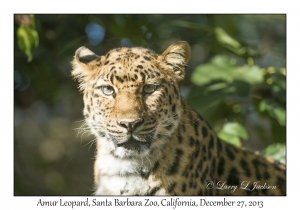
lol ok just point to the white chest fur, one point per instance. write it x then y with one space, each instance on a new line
118 185
123 176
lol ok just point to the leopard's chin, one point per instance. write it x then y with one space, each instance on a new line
134 144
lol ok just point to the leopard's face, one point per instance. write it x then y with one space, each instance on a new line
132 101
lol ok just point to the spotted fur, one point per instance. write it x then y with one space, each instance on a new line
149 141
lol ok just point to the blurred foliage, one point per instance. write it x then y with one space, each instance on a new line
28 37
242 89
276 151
236 79
232 132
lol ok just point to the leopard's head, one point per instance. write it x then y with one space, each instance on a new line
132 99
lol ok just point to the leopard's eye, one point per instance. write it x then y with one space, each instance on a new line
107 90
149 88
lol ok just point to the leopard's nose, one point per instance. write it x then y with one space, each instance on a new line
131 125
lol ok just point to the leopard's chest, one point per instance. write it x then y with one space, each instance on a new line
125 177
120 185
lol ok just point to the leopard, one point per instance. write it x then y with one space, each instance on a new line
149 141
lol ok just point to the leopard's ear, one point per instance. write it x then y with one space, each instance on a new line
176 58
84 64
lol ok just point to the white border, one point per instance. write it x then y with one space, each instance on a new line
8 201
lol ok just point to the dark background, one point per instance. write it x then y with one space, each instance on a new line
236 79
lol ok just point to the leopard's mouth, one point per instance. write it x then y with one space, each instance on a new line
135 143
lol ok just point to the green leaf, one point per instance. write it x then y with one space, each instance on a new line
219 68
249 74
28 38
230 139
232 132
233 45
225 38
229 42
274 110
276 151
223 68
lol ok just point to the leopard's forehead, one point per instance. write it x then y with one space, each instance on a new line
129 65
135 52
